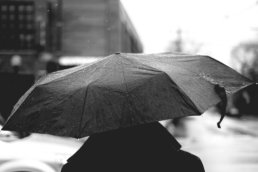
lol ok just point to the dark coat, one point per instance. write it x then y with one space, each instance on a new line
148 147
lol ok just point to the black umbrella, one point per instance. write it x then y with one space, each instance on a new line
122 90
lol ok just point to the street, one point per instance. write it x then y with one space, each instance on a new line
231 148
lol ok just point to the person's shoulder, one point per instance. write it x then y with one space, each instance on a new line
189 162
188 155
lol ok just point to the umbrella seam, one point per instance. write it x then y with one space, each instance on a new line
124 77
83 111
184 95
126 88
81 68
227 66
180 89
151 68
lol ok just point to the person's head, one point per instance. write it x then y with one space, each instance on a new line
139 138
135 147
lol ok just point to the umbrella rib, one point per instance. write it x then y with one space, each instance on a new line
83 110
124 82
67 72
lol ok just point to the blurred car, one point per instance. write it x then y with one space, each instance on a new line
35 152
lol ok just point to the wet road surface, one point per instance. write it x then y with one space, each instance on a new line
234 147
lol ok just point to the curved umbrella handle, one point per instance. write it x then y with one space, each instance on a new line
223 104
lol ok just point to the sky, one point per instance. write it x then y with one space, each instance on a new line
215 25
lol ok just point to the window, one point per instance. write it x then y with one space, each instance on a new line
17 25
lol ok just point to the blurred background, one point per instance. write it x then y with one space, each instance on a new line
42 36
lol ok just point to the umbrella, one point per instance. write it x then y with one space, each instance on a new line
122 90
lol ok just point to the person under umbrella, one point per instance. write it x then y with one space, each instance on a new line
123 90
147 147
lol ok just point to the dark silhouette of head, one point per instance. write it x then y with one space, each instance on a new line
137 146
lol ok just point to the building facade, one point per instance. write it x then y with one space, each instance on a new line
32 29
97 28
28 28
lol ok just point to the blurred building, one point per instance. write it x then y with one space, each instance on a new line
28 28
36 29
97 28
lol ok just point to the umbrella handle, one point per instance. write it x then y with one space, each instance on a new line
221 119
223 104
222 110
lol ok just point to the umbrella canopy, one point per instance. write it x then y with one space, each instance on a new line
122 90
